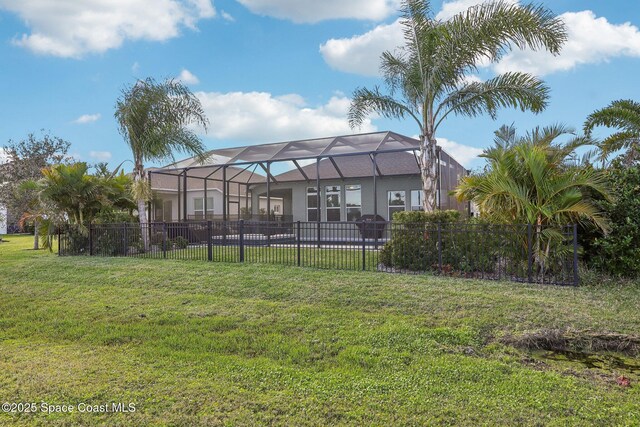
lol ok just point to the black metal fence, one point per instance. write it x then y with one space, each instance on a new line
523 253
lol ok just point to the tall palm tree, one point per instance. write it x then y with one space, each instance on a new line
624 115
154 119
428 78
534 180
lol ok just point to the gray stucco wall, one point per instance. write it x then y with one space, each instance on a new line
384 185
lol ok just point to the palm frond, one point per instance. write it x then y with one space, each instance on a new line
518 90
365 101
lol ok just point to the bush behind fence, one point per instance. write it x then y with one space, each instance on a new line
523 253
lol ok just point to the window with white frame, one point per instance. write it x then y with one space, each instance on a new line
416 200
312 204
198 207
397 202
353 196
332 205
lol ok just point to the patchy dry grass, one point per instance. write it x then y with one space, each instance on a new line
196 343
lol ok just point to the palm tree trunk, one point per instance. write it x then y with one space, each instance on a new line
139 182
36 236
428 172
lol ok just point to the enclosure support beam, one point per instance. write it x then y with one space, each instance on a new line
224 193
179 199
333 162
375 187
318 198
268 170
184 196
243 170
204 217
246 198
301 171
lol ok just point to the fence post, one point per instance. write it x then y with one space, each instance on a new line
576 277
530 253
125 243
209 242
164 239
364 242
298 240
59 236
241 240
90 239
440 248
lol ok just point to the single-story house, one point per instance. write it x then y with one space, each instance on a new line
364 174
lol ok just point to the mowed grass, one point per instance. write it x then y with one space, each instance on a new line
196 343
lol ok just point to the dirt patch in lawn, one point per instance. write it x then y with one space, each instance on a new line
568 340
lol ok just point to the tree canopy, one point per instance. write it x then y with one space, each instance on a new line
623 115
428 78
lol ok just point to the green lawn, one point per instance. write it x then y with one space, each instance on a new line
197 343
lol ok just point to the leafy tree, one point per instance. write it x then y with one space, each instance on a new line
618 252
154 119
69 193
535 180
24 161
625 116
428 79
80 195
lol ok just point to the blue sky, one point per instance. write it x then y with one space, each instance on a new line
271 70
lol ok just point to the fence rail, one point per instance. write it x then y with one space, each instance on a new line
522 253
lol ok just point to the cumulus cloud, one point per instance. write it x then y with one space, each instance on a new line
361 54
101 156
591 40
227 16
262 117
87 118
464 154
310 11
451 8
71 28
188 78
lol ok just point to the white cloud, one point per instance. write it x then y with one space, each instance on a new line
262 117
361 54
87 118
591 40
227 16
71 28
135 67
101 156
188 78
3 156
451 8
311 11
464 154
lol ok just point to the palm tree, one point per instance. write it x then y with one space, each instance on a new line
535 180
154 119
428 79
624 115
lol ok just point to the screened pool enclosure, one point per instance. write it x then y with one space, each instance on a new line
334 179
